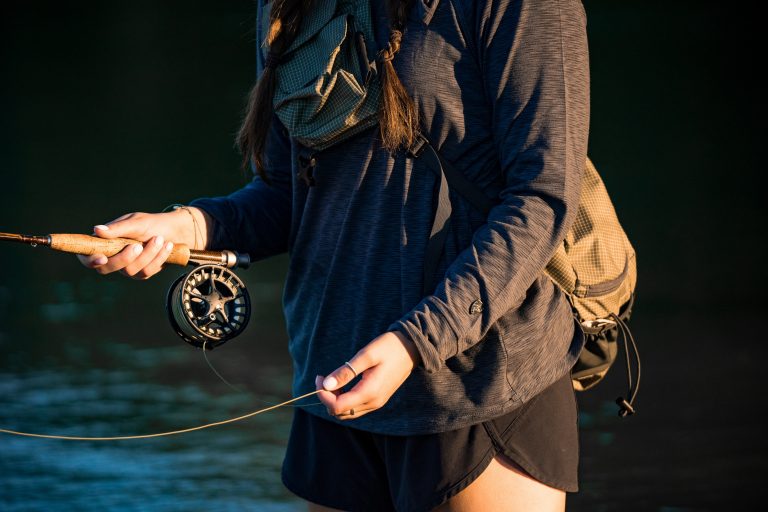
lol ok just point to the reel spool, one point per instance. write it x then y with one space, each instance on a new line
208 306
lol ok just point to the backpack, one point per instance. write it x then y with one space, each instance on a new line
595 267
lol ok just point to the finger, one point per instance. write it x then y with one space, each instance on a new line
328 398
128 226
363 392
103 231
151 250
355 413
156 265
366 394
120 260
345 373
92 261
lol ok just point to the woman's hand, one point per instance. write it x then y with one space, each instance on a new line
159 231
383 365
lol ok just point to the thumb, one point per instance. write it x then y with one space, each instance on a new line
347 372
128 226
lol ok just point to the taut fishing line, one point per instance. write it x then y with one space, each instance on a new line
206 307
160 434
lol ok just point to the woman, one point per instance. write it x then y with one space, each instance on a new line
454 399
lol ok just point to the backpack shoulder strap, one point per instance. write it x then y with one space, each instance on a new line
455 178
423 149
447 176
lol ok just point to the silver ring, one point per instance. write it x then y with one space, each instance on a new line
346 363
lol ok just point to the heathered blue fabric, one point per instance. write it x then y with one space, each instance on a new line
503 90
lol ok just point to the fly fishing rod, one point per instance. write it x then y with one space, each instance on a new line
88 245
206 307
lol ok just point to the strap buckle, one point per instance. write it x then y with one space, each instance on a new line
597 326
418 146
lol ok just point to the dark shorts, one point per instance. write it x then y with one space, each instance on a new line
349 469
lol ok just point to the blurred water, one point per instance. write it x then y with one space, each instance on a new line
236 468
84 369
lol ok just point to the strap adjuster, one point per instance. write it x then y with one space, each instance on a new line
419 145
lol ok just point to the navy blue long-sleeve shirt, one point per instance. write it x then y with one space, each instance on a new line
502 88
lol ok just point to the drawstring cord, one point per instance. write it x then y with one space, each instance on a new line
626 407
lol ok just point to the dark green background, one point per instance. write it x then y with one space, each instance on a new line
113 107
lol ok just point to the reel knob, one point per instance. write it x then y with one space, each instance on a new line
208 306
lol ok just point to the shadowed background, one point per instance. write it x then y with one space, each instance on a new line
129 106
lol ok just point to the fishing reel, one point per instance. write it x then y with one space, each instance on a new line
208 306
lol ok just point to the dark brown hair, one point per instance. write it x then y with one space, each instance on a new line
398 117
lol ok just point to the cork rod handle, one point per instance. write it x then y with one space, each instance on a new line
88 245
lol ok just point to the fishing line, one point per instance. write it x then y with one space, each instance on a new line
160 434
287 403
238 389
225 381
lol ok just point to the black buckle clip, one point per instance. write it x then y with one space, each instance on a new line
418 146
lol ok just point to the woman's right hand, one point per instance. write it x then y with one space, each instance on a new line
158 232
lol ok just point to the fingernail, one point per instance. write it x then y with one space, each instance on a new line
159 241
100 261
137 248
330 383
102 227
169 246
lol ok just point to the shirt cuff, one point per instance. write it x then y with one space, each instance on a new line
220 238
432 332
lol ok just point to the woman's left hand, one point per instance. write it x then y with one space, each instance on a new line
383 365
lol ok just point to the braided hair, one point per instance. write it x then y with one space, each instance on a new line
398 116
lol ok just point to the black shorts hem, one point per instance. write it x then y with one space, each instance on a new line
465 482
519 459
537 475
478 470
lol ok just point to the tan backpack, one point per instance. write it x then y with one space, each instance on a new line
596 268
